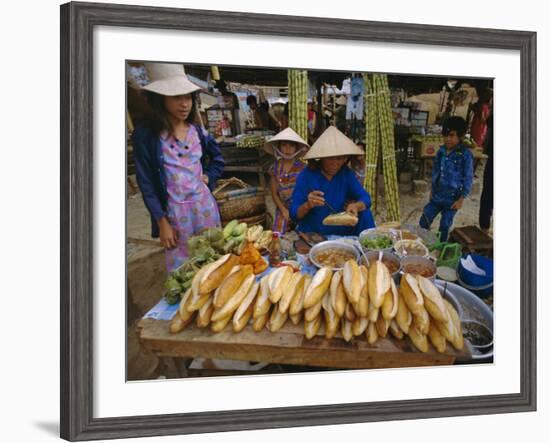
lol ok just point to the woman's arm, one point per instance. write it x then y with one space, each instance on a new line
145 174
274 194
214 168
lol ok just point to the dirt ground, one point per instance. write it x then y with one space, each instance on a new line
146 266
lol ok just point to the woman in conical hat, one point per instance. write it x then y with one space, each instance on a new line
328 185
287 147
176 162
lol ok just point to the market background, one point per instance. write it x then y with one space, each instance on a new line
30 222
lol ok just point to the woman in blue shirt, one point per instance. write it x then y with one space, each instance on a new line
328 179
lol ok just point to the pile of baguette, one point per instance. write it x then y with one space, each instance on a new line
353 301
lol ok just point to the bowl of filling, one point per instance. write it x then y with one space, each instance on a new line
333 254
376 240
417 265
392 262
478 334
406 248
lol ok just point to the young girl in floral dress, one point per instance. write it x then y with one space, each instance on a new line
287 147
177 163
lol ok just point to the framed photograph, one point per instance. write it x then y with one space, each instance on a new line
232 209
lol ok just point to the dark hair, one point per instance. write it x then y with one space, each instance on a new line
158 116
250 99
455 123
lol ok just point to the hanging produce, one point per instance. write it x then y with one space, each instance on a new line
297 101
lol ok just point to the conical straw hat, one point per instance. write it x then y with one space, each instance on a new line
288 135
342 100
168 79
333 143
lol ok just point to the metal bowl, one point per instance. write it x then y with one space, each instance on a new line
472 308
421 261
404 244
332 244
374 233
478 334
386 256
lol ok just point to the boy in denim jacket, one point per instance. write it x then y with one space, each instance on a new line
452 175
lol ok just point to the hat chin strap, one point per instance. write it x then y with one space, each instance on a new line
288 157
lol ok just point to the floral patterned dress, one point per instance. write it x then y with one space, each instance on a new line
191 205
286 181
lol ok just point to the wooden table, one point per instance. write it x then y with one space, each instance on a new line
288 346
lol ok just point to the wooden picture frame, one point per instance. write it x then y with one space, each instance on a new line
77 23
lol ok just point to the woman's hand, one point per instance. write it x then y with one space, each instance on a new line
315 198
285 214
205 178
168 235
355 207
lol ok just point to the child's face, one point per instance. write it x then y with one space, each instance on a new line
451 140
287 148
179 106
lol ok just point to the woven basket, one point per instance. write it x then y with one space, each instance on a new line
237 200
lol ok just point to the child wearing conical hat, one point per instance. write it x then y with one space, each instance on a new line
287 147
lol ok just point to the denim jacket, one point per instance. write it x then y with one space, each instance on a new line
150 176
452 174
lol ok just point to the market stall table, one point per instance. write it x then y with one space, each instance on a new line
288 346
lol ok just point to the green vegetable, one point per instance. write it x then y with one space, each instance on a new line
171 284
172 297
377 242
229 228
239 230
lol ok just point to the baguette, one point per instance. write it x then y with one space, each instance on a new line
278 282
353 281
349 313
437 339
373 313
178 324
248 302
205 314
372 333
360 326
337 294
198 301
379 282
418 339
422 321
219 325
213 277
411 293
396 330
277 320
185 313
318 286
296 318
313 311
258 323
404 316
347 329
433 301
263 303
332 322
241 321
382 326
294 289
233 303
362 308
312 327
297 303
458 338
341 219
231 284
447 328
390 305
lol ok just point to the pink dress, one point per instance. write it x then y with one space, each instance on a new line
191 205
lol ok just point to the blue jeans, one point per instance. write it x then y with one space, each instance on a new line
434 207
